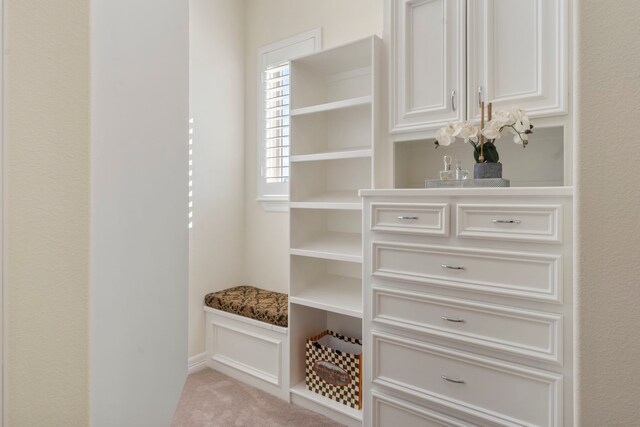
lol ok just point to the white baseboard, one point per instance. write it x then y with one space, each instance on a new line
197 363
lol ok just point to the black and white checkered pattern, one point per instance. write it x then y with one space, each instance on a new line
350 394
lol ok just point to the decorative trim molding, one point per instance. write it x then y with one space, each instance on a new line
550 214
552 323
237 318
438 228
423 413
197 363
549 290
274 378
552 381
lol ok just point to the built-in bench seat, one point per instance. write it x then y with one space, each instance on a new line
254 303
247 337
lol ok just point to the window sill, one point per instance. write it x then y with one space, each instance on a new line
274 204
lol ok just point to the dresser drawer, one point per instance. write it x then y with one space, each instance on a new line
516 274
414 218
499 392
389 411
512 330
534 223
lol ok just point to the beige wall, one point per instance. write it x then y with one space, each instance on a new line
608 205
217 105
266 233
47 268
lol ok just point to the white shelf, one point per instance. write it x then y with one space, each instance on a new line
331 200
338 59
301 390
346 153
337 294
332 106
334 246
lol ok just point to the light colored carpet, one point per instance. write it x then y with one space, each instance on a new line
211 399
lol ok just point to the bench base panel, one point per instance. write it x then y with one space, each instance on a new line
250 351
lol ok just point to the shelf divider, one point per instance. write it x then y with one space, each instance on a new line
332 106
337 294
331 200
335 246
347 153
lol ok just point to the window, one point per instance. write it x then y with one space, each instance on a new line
273 116
276 118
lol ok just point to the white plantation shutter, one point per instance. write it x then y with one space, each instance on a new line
276 122
273 116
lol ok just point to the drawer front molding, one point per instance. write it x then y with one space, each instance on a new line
499 392
515 274
388 411
512 330
515 222
412 218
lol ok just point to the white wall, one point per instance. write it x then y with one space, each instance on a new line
217 104
46 172
266 233
608 202
139 235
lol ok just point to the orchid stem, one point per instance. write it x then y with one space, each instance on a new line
519 135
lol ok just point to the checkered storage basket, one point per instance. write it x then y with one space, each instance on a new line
334 368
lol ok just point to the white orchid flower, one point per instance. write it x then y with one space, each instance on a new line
444 137
492 130
468 132
505 118
520 138
521 116
520 127
453 128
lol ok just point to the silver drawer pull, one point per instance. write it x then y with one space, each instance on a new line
452 380
406 218
452 267
506 221
451 319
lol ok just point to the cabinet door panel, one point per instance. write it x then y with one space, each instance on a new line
425 72
517 55
427 63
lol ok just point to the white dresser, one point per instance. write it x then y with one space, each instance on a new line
468 307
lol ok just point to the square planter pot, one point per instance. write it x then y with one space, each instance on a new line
487 170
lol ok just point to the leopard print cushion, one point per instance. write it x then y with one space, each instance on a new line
248 301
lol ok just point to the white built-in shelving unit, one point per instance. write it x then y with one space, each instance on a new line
336 150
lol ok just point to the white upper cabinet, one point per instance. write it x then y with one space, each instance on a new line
446 55
517 55
427 63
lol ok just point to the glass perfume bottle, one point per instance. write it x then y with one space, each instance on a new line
459 172
447 174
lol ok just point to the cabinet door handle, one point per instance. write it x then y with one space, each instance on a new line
452 380
405 218
506 221
452 267
453 100
451 319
